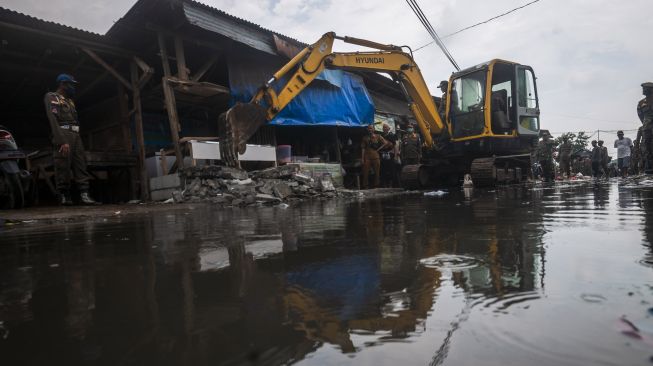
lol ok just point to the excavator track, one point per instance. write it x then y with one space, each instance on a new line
415 176
484 172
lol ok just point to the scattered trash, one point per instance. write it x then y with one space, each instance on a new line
134 202
117 212
169 200
437 193
54 265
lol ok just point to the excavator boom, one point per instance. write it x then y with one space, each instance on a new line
238 124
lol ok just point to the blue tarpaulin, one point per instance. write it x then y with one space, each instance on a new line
336 98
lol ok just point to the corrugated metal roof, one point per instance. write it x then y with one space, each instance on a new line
17 18
240 21
240 30
227 26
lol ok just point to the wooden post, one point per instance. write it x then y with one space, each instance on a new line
140 139
182 72
163 50
173 118
170 103
338 154
126 133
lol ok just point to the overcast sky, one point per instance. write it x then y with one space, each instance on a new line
590 56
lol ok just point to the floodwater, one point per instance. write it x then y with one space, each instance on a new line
531 275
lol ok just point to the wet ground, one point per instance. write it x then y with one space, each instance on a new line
555 274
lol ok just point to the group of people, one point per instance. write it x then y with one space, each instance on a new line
598 160
632 156
384 154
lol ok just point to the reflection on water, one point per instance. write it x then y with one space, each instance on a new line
520 275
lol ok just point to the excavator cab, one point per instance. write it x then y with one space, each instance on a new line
494 99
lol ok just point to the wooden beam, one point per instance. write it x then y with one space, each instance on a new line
88 87
337 142
147 72
140 138
207 65
69 40
173 119
189 40
110 69
142 65
182 71
163 51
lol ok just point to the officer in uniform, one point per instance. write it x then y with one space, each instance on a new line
605 159
69 158
645 113
444 86
372 143
545 157
411 147
564 156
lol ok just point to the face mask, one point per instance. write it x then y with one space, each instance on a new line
410 130
70 90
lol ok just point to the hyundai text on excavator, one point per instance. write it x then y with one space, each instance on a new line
490 125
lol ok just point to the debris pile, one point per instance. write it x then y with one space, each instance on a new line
234 187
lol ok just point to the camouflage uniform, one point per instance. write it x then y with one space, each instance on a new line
62 116
564 155
605 159
545 158
645 113
410 149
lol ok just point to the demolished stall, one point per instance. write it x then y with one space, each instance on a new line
152 88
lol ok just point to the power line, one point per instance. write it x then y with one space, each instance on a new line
481 23
429 28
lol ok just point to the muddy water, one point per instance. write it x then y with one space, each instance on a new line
545 275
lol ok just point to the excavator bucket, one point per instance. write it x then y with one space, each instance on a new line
235 127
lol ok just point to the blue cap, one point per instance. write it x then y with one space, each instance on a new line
65 78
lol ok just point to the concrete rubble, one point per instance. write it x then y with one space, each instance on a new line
234 187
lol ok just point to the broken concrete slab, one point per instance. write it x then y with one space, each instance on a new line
282 190
267 198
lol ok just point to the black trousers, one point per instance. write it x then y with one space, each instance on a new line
596 169
548 171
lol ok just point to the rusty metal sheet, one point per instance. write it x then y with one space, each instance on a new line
287 48
221 23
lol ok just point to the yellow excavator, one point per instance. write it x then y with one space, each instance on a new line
491 119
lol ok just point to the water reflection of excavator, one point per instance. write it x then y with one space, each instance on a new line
490 124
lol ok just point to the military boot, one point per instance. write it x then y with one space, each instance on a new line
86 199
64 198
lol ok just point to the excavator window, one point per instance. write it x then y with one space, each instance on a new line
527 99
502 103
467 104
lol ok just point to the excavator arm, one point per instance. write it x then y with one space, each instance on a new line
238 124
